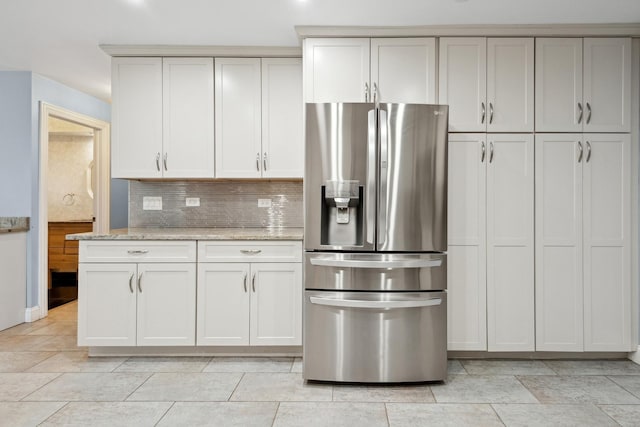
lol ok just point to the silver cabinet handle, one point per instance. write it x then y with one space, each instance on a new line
588 150
131 282
484 152
137 251
264 161
579 112
404 263
245 282
158 162
381 305
490 112
484 112
366 92
370 194
253 282
164 161
588 113
250 251
140 282
258 162
579 151
491 152
375 93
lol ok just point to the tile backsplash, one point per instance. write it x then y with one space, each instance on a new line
222 204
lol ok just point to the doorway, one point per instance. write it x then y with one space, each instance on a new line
73 197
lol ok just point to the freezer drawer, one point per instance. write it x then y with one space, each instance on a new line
375 337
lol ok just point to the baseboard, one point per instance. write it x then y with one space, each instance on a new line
32 314
634 356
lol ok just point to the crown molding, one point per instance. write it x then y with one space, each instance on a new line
191 51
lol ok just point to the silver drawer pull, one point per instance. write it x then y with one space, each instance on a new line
137 251
412 263
250 251
332 302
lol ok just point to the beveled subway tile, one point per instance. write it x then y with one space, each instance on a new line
594 367
506 367
187 386
625 415
482 389
164 364
544 415
334 414
78 361
382 393
240 414
107 414
27 414
15 386
21 361
274 387
441 415
89 387
249 364
576 389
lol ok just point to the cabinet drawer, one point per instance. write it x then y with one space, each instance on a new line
250 251
137 251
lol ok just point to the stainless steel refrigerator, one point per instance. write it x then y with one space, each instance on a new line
375 190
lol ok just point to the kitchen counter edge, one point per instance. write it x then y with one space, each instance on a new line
289 233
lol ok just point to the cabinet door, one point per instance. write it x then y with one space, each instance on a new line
559 296
336 70
276 304
106 304
463 81
559 106
467 256
187 98
166 304
607 262
510 286
223 304
282 139
510 84
607 84
136 117
404 70
238 117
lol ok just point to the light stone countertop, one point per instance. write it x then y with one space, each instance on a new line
13 224
288 233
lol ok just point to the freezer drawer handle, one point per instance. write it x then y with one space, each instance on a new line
406 263
375 304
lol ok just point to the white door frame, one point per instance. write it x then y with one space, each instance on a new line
101 157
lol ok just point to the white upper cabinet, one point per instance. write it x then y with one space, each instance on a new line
162 118
238 117
282 138
487 83
336 70
583 85
136 149
403 70
188 118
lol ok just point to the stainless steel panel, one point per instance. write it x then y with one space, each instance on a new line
371 337
375 271
413 159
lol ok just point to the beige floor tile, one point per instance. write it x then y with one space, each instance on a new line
552 415
27 414
629 383
21 361
228 414
58 328
24 343
482 389
15 386
249 364
625 415
454 367
594 367
78 361
330 414
297 365
164 364
576 389
201 387
57 343
441 415
274 387
506 367
107 414
382 393
26 328
89 387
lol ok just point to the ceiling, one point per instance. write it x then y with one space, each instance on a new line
59 39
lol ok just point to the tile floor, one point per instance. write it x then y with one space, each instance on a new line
45 379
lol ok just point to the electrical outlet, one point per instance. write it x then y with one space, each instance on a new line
192 201
264 203
152 203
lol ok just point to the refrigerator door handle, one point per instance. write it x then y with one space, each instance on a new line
333 302
384 165
371 179
401 263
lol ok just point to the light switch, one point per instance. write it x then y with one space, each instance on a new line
151 203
